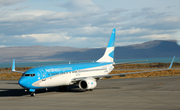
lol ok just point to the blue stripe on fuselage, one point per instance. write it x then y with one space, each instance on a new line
68 67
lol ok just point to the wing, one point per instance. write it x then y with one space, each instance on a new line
122 74
129 62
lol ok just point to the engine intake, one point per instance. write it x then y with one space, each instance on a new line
87 84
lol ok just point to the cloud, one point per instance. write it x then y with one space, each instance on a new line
12 41
171 6
147 13
177 36
117 11
132 31
82 22
10 2
80 5
60 39
157 37
2 46
48 37
21 8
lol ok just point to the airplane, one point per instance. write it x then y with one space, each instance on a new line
85 75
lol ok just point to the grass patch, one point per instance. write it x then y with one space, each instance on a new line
172 72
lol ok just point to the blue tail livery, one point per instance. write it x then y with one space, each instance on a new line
85 75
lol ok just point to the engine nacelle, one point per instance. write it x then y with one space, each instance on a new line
87 84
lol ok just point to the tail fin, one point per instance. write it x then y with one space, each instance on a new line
109 53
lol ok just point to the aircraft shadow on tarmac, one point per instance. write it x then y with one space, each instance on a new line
12 83
21 92
12 92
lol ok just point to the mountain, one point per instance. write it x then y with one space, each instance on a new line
33 53
151 49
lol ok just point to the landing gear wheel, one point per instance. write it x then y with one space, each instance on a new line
90 89
62 88
32 94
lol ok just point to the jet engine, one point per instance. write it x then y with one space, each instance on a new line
87 84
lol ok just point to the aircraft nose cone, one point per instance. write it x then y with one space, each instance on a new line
22 82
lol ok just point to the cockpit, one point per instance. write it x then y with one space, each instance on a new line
32 75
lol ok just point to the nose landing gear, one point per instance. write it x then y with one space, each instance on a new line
32 94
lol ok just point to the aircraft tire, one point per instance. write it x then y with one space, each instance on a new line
32 94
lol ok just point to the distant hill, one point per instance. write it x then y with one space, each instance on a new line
151 49
33 53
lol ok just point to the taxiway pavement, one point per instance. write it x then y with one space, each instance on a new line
158 93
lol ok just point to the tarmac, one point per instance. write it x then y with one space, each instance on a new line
154 93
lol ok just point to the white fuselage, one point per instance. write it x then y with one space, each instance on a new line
66 77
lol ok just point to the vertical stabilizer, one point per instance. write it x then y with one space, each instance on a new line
109 53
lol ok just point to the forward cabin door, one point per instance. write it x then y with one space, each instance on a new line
43 74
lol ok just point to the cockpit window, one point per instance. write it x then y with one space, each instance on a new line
29 75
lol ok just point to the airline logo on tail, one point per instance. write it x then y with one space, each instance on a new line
109 53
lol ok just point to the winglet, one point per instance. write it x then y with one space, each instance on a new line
171 63
13 65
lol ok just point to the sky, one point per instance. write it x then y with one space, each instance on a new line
87 23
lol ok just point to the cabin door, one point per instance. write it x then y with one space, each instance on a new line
43 74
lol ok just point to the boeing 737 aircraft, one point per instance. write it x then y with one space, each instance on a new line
85 75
